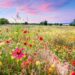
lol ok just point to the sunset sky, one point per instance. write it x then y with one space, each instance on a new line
38 10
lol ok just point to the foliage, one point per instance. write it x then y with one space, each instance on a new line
4 21
44 23
20 46
73 23
26 23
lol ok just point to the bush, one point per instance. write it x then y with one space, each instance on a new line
4 21
26 23
44 23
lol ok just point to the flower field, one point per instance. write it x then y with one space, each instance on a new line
37 50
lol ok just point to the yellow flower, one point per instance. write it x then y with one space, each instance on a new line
12 57
50 70
53 66
38 63
1 63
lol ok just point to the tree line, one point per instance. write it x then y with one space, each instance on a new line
5 21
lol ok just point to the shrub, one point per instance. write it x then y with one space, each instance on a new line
26 23
4 21
44 23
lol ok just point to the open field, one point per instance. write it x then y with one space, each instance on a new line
20 48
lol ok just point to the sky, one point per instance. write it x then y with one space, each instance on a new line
35 11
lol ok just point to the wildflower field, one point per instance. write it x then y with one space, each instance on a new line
37 50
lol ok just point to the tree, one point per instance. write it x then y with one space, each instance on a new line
61 24
26 23
45 22
42 23
73 23
4 21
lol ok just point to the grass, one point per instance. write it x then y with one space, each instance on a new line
59 39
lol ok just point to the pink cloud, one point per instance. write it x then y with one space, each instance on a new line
33 10
6 4
27 9
32 6
36 9
46 7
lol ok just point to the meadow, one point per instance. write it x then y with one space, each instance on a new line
23 49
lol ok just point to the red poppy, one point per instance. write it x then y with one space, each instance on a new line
72 73
25 43
73 63
30 45
25 64
25 31
8 41
41 38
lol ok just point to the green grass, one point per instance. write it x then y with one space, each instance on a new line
59 39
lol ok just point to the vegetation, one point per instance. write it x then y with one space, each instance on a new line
4 21
22 49
26 23
73 23
44 23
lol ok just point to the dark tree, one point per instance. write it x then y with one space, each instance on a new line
45 22
73 23
41 23
26 23
4 21
61 24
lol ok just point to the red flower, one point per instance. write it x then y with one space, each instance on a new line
25 43
18 54
25 64
41 38
30 45
8 41
25 31
72 73
73 63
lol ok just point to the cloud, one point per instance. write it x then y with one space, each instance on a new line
27 9
6 4
32 6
